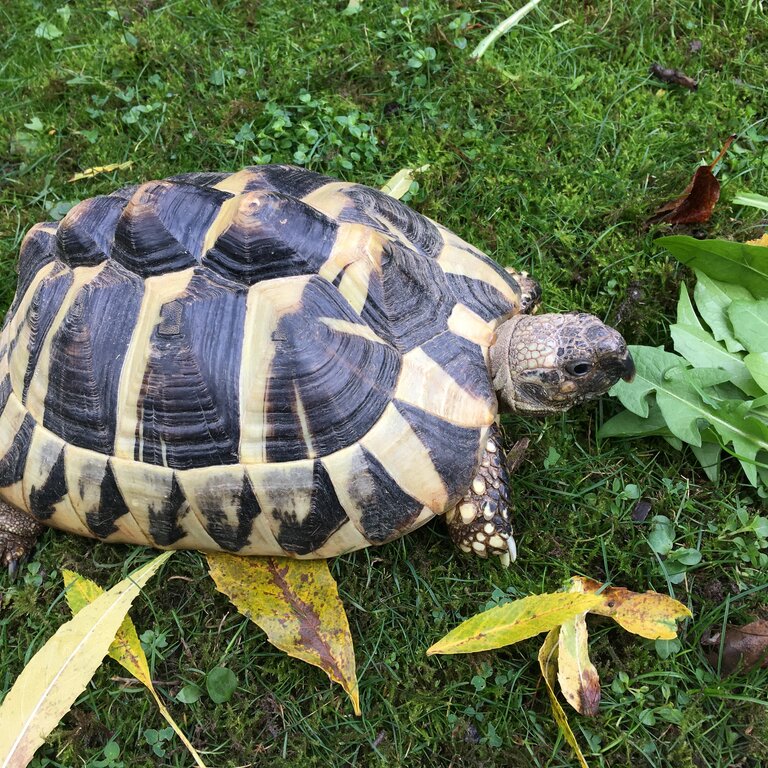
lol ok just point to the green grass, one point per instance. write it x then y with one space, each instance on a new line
549 154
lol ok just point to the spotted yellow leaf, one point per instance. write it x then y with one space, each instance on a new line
125 649
89 173
296 602
548 660
648 614
59 672
760 241
513 622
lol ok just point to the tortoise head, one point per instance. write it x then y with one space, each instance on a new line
548 363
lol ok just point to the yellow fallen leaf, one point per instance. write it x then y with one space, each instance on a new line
125 649
59 672
548 655
512 622
648 614
296 602
760 241
89 173
576 674
401 182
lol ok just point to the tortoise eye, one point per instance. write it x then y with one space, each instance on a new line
579 368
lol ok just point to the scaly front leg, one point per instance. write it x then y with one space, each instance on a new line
480 522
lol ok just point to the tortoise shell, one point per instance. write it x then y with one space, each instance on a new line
267 362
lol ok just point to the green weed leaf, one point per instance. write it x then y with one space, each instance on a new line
220 683
750 323
735 263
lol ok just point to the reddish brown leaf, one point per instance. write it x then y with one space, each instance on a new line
674 76
743 647
698 200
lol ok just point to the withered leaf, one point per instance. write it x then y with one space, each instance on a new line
673 76
296 602
699 198
577 675
548 658
743 647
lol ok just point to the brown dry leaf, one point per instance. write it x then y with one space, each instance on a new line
126 648
648 614
674 76
698 200
548 656
296 602
760 241
743 648
577 675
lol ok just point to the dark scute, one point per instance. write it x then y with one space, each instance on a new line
325 517
273 235
5 391
85 235
164 516
409 302
344 381
483 299
453 449
288 179
39 248
163 227
42 311
199 179
229 537
189 404
387 508
420 231
42 500
463 361
87 356
112 505
125 193
13 463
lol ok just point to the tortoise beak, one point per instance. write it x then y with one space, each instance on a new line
627 368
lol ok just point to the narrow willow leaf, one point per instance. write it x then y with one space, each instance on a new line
648 614
401 182
59 672
576 674
750 323
125 649
513 622
736 263
548 654
712 300
503 28
89 173
296 602
752 200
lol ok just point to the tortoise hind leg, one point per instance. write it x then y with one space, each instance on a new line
18 534
480 521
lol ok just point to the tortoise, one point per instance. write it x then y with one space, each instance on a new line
271 362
